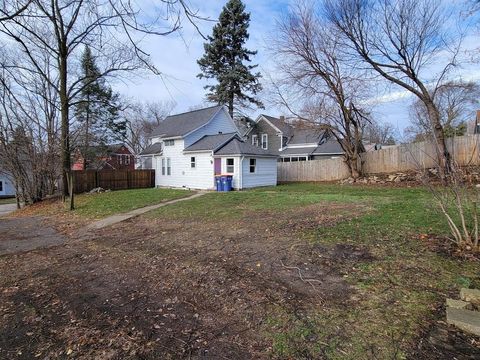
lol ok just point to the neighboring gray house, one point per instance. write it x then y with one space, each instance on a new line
290 142
7 189
189 149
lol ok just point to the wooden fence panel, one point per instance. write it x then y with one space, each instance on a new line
86 180
464 150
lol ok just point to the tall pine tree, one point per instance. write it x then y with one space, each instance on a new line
224 59
97 110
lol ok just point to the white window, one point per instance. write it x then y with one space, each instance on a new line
193 162
169 142
255 140
253 165
169 169
230 166
163 166
265 141
120 159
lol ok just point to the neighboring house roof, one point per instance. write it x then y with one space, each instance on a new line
184 123
280 124
244 125
306 136
298 151
238 147
152 149
328 147
210 142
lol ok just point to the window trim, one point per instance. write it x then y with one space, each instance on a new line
170 142
169 167
254 165
164 168
227 166
255 139
193 162
265 142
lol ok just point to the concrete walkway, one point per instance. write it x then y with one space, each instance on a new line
6 209
114 219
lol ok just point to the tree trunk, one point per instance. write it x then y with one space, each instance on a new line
443 155
65 126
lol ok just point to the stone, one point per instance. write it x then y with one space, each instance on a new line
477 186
391 177
470 295
466 320
398 179
459 304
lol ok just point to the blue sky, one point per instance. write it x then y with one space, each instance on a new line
175 56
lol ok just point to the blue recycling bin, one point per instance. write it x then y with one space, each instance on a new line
227 182
218 183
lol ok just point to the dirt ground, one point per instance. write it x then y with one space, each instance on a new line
168 289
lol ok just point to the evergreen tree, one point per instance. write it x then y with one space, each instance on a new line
224 59
97 110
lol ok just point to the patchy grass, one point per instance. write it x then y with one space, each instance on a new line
100 205
4 201
395 297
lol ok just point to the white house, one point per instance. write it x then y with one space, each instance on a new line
187 150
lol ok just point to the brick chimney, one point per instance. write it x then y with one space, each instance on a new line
478 116
282 117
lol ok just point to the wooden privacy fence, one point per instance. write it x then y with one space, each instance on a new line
463 149
86 180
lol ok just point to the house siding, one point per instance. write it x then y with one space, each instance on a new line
221 123
182 175
8 188
274 137
265 175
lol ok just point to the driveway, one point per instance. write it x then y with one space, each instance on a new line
6 209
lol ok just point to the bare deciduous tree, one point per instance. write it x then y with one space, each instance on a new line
376 132
141 119
57 30
399 40
456 101
310 60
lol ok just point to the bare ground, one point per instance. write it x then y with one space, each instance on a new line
169 289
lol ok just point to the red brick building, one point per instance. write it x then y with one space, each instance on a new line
111 157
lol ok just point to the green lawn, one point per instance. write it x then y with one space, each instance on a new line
115 202
397 294
100 205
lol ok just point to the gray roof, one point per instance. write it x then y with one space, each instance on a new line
281 125
238 147
306 136
329 147
298 151
210 142
182 124
152 149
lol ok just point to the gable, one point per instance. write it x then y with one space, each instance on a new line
221 123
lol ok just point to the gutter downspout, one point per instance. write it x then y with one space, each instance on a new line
241 173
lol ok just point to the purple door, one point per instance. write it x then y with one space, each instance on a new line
217 166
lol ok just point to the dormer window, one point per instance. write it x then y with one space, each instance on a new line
169 142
